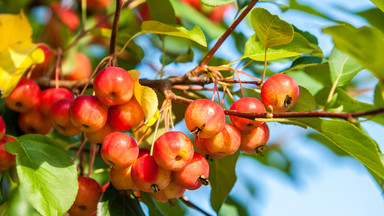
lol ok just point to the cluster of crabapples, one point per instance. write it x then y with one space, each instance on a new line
174 166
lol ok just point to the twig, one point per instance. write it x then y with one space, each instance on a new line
186 201
115 26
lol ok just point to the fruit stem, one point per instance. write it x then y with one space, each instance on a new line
58 67
188 203
203 180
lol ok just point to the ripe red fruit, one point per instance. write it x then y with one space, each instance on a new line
125 116
119 150
7 160
280 91
67 16
2 128
98 4
42 68
98 137
60 118
224 143
252 140
195 174
247 105
34 122
113 86
217 14
121 179
143 12
204 118
50 96
148 176
24 97
87 197
194 3
172 191
173 150
82 68
88 113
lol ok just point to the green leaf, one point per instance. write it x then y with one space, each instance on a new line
190 15
112 203
255 50
350 139
46 173
374 16
242 3
18 204
222 177
379 94
195 34
214 3
305 103
270 29
321 139
293 4
363 44
343 67
283 7
162 11
379 4
307 61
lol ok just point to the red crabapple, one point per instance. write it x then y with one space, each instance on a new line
98 137
204 118
87 197
125 116
121 179
24 97
7 160
224 143
119 150
88 113
194 175
247 105
50 96
252 140
172 191
280 92
60 118
173 150
82 68
113 86
2 128
34 122
148 176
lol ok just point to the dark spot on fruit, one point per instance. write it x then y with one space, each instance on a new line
198 130
113 95
203 180
61 127
113 164
19 104
155 188
178 157
82 207
32 130
250 125
85 126
287 101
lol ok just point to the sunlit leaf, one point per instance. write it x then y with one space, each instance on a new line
343 67
364 45
305 103
374 16
255 50
379 4
161 11
215 3
146 96
47 175
270 29
195 34
17 52
379 94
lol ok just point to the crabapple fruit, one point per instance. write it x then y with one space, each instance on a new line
24 97
98 137
125 116
34 122
252 140
60 118
7 160
121 179
50 96
246 104
87 197
2 128
172 191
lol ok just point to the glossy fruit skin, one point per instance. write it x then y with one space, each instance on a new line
280 91
172 191
206 116
82 69
87 197
148 176
50 96
173 150
2 128
7 160
121 179
88 113
125 116
247 105
119 150
34 122
24 97
252 139
224 143
60 118
188 177
113 86
98 137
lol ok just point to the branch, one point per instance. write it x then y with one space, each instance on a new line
186 201
226 34
115 26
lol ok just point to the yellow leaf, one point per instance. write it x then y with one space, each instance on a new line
17 52
146 96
